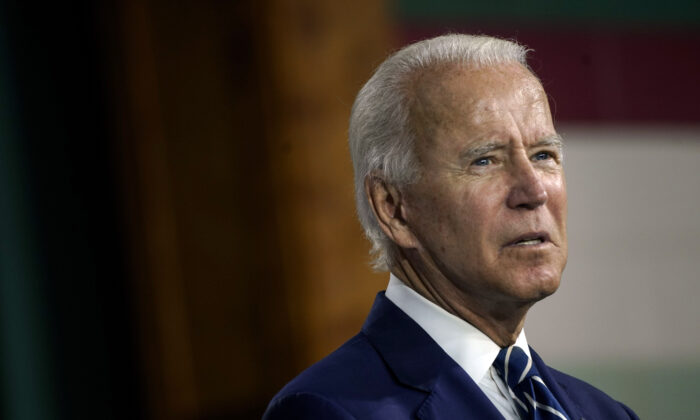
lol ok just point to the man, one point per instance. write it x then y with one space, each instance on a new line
460 188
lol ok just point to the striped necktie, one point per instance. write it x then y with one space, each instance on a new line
532 397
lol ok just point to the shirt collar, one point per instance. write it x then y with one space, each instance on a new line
473 350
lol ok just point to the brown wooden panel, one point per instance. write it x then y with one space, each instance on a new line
323 52
167 353
248 261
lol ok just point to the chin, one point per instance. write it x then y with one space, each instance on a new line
536 285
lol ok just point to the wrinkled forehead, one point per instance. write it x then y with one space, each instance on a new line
452 94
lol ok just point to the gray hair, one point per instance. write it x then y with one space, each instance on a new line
380 134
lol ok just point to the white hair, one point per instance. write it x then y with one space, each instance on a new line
380 134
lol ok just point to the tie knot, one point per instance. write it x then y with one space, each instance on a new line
530 394
514 365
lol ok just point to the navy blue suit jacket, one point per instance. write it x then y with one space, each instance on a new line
392 369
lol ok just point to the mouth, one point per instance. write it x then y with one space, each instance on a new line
529 239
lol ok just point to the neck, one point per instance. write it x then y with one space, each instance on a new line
500 321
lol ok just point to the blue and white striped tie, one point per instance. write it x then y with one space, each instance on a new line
532 397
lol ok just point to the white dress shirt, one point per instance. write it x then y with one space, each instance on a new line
473 350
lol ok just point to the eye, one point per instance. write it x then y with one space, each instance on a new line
544 155
482 161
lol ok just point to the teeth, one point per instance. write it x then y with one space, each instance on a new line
530 242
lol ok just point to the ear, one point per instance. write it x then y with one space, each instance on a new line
389 210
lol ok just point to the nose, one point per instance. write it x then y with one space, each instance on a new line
527 190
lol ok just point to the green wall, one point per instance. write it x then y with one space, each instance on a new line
652 390
676 12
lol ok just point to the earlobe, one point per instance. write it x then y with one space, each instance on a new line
388 207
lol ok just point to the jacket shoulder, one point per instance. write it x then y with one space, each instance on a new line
351 382
594 402
305 405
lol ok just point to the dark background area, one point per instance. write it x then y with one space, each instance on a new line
71 240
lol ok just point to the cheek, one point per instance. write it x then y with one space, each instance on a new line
557 208
457 218
428 214
474 218
557 199
481 204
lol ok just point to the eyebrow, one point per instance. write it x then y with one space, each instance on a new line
481 149
554 140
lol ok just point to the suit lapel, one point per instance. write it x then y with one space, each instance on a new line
456 396
418 362
571 408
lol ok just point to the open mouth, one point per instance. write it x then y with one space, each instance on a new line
530 239
533 241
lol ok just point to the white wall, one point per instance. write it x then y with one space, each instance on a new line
631 289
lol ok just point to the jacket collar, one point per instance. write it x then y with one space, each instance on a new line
418 362
571 408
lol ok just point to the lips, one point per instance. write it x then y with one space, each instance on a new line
530 239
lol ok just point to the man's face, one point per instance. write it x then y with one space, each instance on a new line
489 211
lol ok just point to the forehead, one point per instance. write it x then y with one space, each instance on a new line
455 98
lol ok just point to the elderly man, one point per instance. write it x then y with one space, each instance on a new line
460 188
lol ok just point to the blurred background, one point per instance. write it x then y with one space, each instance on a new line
177 229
